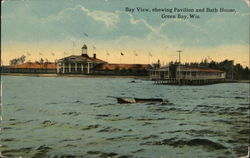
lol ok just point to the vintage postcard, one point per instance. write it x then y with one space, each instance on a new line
124 78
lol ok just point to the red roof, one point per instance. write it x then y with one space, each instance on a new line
30 65
200 69
82 58
96 59
84 46
125 66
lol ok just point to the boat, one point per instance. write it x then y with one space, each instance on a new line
141 100
125 100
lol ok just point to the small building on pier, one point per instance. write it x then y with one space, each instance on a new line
180 74
79 64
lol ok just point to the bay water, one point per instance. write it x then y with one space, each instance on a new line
79 117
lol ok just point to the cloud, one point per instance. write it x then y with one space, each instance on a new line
73 22
184 32
134 21
247 2
99 24
110 19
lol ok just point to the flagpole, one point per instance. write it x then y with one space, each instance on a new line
149 54
135 55
107 54
148 59
179 51
166 56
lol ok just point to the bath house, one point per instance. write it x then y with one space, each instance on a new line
184 75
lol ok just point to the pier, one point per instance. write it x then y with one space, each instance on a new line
183 75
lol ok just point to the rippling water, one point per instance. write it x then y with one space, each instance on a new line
67 117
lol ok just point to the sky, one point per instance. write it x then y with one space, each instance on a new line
53 29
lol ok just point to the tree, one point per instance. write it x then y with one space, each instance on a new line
233 71
18 61
41 61
13 62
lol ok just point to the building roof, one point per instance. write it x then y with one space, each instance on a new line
81 58
186 68
84 46
200 69
165 68
32 65
125 66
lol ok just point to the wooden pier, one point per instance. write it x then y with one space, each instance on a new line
187 81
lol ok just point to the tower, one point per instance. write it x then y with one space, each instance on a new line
84 50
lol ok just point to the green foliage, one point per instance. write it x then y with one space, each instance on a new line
117 68
18 61
232 71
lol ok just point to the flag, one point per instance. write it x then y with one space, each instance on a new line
107 53
86 34
135 53
122 54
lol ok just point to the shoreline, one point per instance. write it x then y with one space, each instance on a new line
73 75
237 81
98 76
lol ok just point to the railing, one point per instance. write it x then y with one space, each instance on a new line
200 77
188 77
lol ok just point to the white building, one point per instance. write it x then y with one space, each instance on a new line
79 64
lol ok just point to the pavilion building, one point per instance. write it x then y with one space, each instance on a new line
79 64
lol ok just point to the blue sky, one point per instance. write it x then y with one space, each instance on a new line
59 26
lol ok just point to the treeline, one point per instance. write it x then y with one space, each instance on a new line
21 60
18 61
233 71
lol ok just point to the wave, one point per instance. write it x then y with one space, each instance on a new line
182 142
52 103
102 154
91 127
48 123
110 129
71 113
42 151
14 152
124 137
